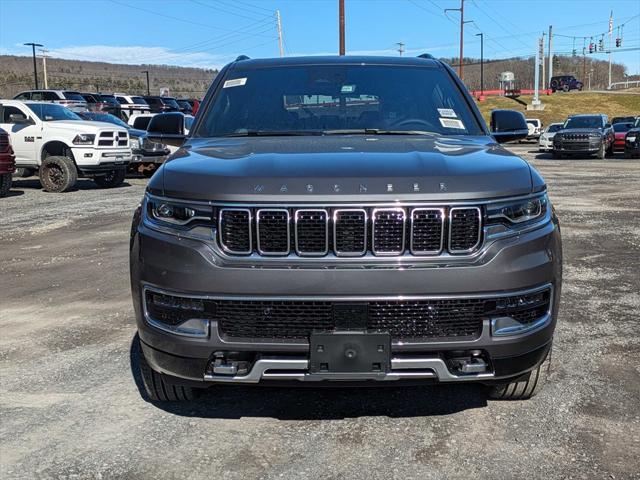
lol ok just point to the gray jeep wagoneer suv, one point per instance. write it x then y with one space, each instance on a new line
345 219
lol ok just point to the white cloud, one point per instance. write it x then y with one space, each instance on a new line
133 55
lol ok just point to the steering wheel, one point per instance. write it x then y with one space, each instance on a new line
412 121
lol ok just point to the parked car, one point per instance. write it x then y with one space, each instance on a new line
140 121
131 105
632 141
545 144
158 104
620 133
322 225
589 134
70 99
7 163
565 83
185 106
146 154
534 126
195 105
57 143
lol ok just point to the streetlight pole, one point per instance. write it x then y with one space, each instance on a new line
341 25
35 68
481 35
147 72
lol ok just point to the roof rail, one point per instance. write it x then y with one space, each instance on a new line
242 57
427 56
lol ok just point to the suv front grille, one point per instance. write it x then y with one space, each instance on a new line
113 139
345 232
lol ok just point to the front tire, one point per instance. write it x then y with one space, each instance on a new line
5 184
526 386
159 390
112 179
601 152
58 174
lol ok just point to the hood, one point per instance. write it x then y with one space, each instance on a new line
83 126
343 168
135 133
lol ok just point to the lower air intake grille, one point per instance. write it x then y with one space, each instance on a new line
464 229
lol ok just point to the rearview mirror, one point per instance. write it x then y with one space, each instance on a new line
19 118
508 125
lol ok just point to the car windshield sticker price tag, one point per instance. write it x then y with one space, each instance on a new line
348 89
451 123
447 113
236 82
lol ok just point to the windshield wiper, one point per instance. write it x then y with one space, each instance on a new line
377 131
273 133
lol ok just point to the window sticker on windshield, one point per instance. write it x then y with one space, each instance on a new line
447 113
236 82
451 123
348 89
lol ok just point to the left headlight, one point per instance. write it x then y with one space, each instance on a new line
135 143
84 139
179 218
521 212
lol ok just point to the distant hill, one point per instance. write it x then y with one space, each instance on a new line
16 75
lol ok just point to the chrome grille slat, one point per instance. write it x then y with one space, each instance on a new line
311 230
273 231
350 232
388 227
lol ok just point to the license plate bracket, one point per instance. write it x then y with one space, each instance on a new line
350 352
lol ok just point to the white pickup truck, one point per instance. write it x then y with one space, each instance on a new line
54 141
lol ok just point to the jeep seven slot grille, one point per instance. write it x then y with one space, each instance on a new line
392 231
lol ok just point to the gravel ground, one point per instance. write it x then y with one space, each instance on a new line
71 407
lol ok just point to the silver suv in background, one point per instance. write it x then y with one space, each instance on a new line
73 100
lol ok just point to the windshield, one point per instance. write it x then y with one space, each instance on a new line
316 99
105 117
73 96
554 128
170 101
138 100
622 127
48 112
110 99
583 122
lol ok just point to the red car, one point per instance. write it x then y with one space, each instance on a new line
620 130
7 163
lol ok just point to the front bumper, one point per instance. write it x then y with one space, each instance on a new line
141 156
197 268
545 145
96 161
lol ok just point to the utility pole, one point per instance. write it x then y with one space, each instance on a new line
550 55
35 68
341 25
536 81
280 33
610 45
400 48
44 56
462 22
542 62
481 35
147 72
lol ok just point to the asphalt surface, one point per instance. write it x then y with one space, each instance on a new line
71 405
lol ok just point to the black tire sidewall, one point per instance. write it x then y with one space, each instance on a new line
118 176
6 179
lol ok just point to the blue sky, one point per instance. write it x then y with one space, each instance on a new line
209 33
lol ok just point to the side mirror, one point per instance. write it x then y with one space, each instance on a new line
607 125
167 128
20 119
508 125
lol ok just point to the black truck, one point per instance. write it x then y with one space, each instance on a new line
344 219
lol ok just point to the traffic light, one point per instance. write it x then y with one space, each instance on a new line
618 42
591 47
574 53
601 44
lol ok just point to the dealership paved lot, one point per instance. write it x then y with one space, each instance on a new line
71 407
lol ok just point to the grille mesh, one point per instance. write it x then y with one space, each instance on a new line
464 228
350 231
388 231
235 230
311 232
273 231
426 231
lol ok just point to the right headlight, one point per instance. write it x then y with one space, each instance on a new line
517 213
